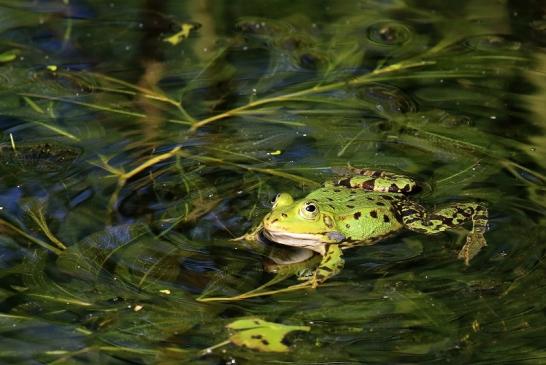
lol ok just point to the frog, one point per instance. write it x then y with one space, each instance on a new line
362 207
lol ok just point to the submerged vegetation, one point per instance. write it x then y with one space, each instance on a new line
139 141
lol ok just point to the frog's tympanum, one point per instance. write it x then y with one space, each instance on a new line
361 209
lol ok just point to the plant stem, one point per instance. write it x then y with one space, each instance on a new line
313 90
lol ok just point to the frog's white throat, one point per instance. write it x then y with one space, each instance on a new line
305 240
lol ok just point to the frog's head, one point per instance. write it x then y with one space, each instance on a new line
301 223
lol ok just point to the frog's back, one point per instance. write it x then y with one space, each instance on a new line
362 216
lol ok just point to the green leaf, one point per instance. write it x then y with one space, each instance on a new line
9 56
257 334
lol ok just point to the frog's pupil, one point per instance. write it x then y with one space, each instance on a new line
310 208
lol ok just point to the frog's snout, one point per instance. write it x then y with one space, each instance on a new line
270 221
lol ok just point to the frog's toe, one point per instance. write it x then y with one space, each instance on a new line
475 241
316 280
305 275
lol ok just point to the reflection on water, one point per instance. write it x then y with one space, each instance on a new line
130 161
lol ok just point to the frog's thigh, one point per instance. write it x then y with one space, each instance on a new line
379 181
331 264
416 219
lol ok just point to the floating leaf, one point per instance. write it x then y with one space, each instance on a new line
9 56
185 29
257 334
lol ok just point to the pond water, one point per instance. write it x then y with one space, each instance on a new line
140 138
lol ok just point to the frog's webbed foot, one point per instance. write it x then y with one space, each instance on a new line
376 180
475 241
252 235
331 265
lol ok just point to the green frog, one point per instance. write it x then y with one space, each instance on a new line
362 208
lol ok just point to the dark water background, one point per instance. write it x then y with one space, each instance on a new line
128 163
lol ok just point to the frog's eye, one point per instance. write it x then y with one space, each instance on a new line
309 210
275 198
282 199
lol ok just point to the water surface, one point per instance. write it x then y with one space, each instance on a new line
139 138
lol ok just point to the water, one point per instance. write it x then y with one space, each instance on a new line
139 139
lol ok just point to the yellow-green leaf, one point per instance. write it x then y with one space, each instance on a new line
185 29
257 334
9 56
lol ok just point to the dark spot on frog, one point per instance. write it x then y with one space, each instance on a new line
351 200
274 220
368 185
405 213
345 182
330 199
386 218
387 197
380 204
373 214
369 198
284 215
357 215
265 342
337 190
257 337
327 269
393 188
348 225
350 206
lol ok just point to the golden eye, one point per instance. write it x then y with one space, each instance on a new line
275 198
309 210
282 200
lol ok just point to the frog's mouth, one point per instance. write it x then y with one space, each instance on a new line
305 240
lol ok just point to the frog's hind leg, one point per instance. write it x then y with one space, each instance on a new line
378 181
331 264
417 219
